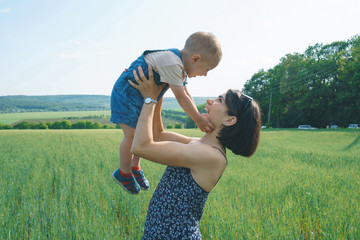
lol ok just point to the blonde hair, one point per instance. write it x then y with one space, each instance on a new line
205 44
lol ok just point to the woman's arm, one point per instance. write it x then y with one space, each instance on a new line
193 156
206 163
165 152
148 88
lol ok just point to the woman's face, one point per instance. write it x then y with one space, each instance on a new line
216 110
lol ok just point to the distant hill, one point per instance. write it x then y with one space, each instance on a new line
55 103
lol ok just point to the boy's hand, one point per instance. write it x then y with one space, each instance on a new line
204 125
147 87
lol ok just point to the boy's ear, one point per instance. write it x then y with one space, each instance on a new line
231 120
196 57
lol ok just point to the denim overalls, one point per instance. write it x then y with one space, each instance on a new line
126 101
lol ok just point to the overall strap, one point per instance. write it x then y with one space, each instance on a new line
178 53
173 50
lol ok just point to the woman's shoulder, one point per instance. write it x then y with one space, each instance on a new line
208 165
206 154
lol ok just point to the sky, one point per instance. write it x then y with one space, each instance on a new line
81 47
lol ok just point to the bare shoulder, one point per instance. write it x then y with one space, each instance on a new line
192 154
206 155
208 166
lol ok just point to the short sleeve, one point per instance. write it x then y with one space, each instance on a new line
172 74
168 65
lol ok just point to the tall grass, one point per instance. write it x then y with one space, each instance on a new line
56 184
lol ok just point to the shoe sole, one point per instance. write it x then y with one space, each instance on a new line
126 190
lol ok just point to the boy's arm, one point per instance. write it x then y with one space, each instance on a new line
188 105
158 129
187 93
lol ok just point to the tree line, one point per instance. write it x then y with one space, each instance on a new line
60 103
65 124
176 119
319 87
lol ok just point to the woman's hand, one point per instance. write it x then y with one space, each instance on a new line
147 87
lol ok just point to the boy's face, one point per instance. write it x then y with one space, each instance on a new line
197 66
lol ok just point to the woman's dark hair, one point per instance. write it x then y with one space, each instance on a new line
242 138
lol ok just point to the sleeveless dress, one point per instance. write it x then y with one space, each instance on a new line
176 207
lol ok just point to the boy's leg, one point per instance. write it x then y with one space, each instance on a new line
125 155
132 162
124 176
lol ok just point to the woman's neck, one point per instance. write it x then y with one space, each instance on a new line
210 139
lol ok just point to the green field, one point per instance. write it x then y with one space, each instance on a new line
56 184
9 118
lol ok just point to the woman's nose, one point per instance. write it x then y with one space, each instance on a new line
209 101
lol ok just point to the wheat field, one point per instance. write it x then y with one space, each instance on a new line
56 184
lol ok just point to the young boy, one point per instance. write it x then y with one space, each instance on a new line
201 53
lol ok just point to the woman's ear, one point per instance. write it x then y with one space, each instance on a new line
196 57
231 120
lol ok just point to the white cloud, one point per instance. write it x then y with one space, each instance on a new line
77 42
4 10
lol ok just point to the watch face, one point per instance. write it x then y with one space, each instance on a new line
149 100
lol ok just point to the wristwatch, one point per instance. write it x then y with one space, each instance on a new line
149 100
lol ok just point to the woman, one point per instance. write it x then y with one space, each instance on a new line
194 165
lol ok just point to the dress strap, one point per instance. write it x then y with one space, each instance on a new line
221 153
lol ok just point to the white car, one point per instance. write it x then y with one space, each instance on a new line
354 125
306 127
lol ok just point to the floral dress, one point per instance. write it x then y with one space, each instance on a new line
176 207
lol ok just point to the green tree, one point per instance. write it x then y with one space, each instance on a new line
97 125
317 87
49 124
7 126
349 76
189 123
89 125
66 124
79 125
42 125
106 126
57 125
22 125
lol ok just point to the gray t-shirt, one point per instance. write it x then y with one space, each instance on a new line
168 65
